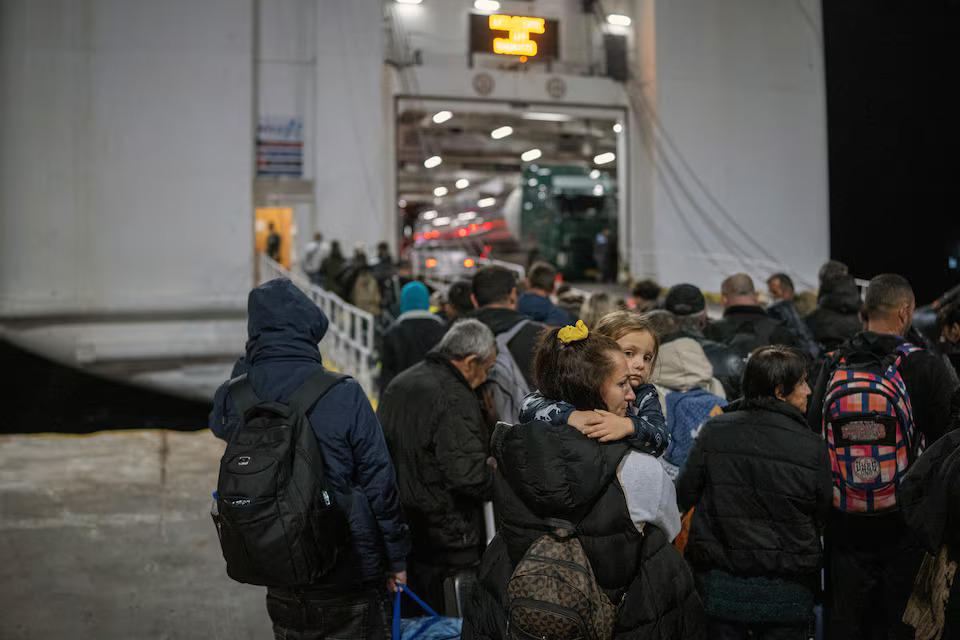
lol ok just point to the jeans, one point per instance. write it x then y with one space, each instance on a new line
723 630
312 615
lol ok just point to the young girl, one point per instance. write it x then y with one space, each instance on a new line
644 427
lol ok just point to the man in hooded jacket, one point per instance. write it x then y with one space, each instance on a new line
837 316
284 328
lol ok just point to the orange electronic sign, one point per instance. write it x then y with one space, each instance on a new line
520 28
521 36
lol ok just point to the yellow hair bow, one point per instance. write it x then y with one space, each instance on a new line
572 334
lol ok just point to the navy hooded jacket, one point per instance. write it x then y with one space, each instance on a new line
542 309
284 328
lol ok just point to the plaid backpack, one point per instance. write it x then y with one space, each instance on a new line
553 592
869 429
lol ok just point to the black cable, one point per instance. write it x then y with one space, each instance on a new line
729 243
686 223
659 125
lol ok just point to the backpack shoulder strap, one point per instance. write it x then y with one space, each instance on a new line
244 397
313 388
505 337
908 348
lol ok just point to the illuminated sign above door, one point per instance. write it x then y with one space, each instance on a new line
525 36
520 28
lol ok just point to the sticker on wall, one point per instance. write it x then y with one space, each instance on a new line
280 146
483 84
556 87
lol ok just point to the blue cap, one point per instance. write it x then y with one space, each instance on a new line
414 297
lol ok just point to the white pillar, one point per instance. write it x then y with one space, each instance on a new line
351 149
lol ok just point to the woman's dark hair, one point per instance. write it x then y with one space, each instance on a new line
574 371
948 315
771 369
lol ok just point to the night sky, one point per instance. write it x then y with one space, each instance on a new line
894 138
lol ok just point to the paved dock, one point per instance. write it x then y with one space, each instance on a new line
109 537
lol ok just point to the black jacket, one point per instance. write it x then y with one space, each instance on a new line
554 471
786 312
523 345
406 343
746 327
439 443
930 495
837 316
930 499
284 328
727 364
762 487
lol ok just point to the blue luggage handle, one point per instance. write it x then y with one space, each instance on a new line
402 588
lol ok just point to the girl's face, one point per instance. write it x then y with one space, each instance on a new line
641 351
616 390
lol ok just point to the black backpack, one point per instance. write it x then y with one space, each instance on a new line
278 522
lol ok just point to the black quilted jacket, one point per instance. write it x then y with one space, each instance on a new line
554 471
762 487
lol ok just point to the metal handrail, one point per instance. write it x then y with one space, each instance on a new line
348 343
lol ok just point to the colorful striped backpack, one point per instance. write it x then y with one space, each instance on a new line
869 429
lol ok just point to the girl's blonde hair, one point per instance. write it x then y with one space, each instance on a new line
617 324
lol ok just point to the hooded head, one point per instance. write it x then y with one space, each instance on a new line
414 297
283 322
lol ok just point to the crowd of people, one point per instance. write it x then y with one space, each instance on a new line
653 473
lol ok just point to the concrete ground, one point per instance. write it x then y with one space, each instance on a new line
109 536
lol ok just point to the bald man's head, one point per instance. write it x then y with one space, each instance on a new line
738 290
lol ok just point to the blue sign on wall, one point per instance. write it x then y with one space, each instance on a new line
280 146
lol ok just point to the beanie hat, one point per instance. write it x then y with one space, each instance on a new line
684 300
414 297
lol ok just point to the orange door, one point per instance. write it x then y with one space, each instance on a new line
282 220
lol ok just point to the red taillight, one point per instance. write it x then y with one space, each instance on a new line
462 232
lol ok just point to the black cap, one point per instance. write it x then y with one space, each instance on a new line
684 300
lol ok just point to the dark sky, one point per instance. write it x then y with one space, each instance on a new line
893 117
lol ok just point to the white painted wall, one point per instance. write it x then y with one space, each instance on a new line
351 151
127 129
739 88
286 88
126 163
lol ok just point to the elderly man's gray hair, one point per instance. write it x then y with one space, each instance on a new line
468 338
